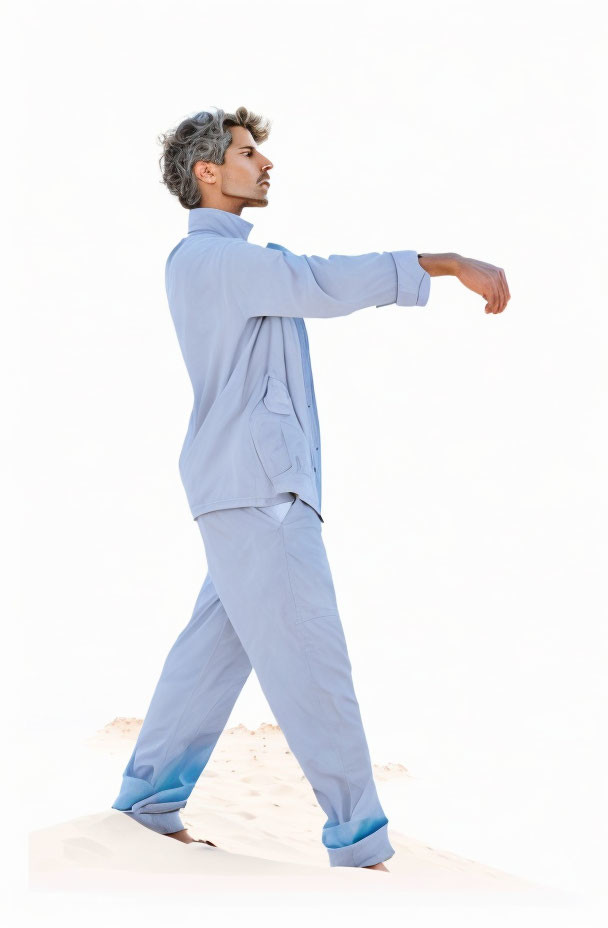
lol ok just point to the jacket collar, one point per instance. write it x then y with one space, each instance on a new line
209 219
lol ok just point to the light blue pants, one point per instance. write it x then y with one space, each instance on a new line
271 605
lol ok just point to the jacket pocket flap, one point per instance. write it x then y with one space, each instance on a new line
277 398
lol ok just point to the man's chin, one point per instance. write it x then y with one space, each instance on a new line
256 200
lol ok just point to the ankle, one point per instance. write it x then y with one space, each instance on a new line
182 836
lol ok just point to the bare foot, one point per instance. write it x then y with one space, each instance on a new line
185 838
377 867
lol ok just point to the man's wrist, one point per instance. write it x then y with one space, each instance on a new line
440 265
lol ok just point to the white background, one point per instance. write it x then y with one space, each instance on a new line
464 455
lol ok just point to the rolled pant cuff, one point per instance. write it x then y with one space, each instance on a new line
164 823
373 849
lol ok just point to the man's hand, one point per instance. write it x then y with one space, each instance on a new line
486 279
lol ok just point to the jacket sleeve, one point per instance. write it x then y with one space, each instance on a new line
275 282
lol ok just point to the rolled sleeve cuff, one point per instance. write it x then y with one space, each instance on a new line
373 849
413 282
163 823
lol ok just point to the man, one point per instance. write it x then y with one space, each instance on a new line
251 468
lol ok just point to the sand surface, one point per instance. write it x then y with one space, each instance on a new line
254 803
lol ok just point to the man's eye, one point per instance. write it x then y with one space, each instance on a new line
248 153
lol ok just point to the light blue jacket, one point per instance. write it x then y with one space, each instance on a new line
253 437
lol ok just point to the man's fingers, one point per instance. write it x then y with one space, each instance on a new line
502 291
501 295
494 296
494 287
504 288
490 295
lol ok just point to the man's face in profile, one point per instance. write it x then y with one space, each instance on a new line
244 170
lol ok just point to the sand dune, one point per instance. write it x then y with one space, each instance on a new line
255 804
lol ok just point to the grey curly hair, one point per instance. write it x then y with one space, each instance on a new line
202 137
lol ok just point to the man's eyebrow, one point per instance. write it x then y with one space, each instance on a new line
251 147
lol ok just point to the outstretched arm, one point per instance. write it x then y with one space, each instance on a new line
276 282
